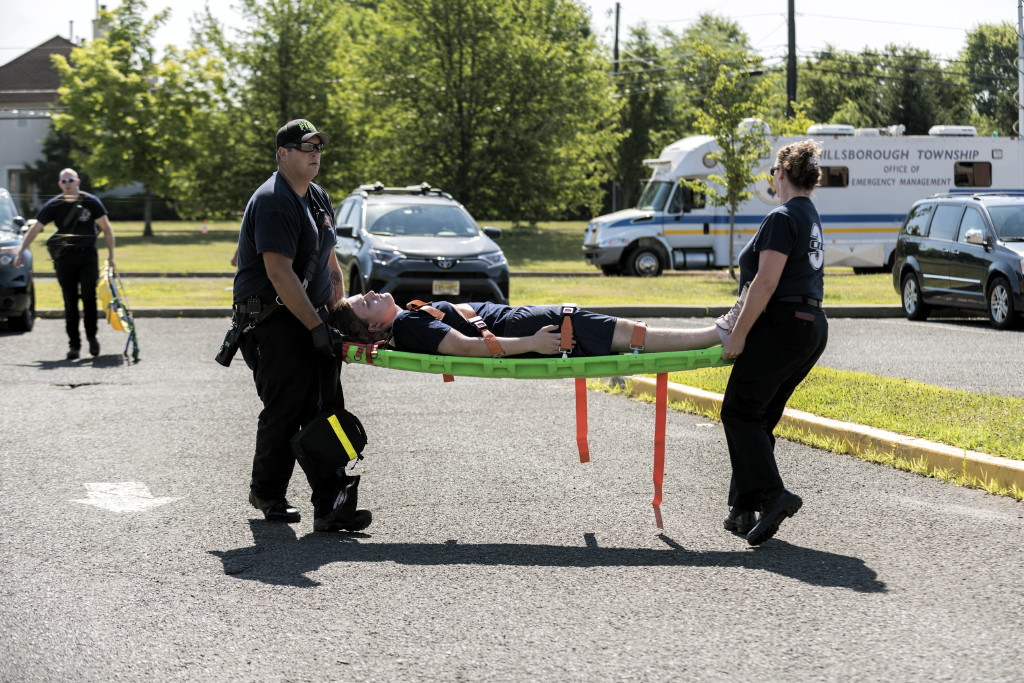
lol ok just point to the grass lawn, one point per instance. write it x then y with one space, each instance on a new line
178 247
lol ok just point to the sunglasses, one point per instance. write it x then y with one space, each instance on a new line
306 146
68 180
772 170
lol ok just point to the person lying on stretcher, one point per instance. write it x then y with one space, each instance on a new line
440 328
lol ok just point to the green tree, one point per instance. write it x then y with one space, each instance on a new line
58 149
647 116
131 114
288 59
989 64
842 83
898 85
917 92
733 94
679 50
508 106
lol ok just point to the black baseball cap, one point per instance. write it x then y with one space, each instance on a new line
299 130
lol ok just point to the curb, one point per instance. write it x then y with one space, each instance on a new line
987 468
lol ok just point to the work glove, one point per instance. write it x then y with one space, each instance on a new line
328 341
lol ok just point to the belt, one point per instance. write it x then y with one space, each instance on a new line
806 300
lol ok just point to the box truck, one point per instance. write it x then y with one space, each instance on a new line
870 178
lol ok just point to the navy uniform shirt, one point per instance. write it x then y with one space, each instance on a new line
794 229
420 332
279 221
82 232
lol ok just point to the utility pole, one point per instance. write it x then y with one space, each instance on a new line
791 62
1020 68
615 47
615 71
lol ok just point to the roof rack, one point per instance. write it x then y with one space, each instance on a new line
980 194
421 189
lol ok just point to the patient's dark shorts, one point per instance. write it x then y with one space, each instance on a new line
592 331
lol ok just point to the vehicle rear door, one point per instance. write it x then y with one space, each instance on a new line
968 263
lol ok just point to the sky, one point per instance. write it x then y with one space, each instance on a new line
939 26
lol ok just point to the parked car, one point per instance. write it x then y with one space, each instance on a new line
963 251
17 292
417 242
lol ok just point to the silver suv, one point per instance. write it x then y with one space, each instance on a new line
963 251
417 242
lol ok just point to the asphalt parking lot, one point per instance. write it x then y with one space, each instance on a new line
130 552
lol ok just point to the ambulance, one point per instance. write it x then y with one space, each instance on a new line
870 179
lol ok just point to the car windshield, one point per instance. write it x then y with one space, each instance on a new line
6 215
654 195
419 219
1009 222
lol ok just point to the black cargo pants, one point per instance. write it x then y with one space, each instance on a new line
77 273
287 371
781 348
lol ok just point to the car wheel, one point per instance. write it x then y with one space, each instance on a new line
25 321
644 262
913 304
1001 313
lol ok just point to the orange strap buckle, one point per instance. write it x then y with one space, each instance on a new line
565 338
636 342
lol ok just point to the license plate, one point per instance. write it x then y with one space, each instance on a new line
446 287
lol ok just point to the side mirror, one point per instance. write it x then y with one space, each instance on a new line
974 236
344 231
493 232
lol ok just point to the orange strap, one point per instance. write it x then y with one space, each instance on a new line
581 419
660 412
370 350
636 342
467 312
492 343
417 305
565 333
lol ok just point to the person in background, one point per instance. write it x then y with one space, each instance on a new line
778 335
78 217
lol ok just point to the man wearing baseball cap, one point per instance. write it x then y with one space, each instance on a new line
287 279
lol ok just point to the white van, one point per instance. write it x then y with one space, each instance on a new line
871 178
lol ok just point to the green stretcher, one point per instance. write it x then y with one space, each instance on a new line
554 367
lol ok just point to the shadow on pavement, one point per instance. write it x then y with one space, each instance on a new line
102 361
279 557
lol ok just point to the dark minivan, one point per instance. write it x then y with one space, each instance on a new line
963 251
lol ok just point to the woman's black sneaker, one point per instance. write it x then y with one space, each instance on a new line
775 509
739 521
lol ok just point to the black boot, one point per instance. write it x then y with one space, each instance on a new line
344 514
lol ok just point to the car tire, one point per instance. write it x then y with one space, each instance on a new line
1001 313
27 320
913 303
356 285
644 262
